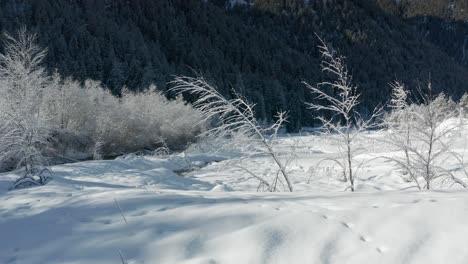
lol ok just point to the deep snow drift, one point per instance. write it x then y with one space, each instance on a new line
140 210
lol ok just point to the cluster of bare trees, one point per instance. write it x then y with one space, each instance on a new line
419 130
45 117
422 130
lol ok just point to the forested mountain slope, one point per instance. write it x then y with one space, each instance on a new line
264 50
447 9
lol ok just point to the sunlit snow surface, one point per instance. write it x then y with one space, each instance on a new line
140 210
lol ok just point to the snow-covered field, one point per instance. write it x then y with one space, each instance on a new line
140 210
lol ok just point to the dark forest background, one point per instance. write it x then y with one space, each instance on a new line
264 51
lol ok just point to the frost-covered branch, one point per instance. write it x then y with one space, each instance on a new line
236 119
345 124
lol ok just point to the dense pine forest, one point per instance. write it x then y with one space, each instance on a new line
263 50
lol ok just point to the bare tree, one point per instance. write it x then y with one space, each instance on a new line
344 124
237 121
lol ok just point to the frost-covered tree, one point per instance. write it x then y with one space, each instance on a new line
399 130
463 105
344 124
24 132
237 125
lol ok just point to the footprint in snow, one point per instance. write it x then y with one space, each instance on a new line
347 225
381 249
365 238
106 222
164 209
142 213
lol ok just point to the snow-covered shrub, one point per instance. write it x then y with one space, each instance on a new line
157 119
133 122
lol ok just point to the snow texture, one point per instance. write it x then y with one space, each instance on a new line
192 208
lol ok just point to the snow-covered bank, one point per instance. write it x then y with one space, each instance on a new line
139 209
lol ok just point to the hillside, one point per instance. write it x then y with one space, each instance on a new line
447 9
264 51
441 22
